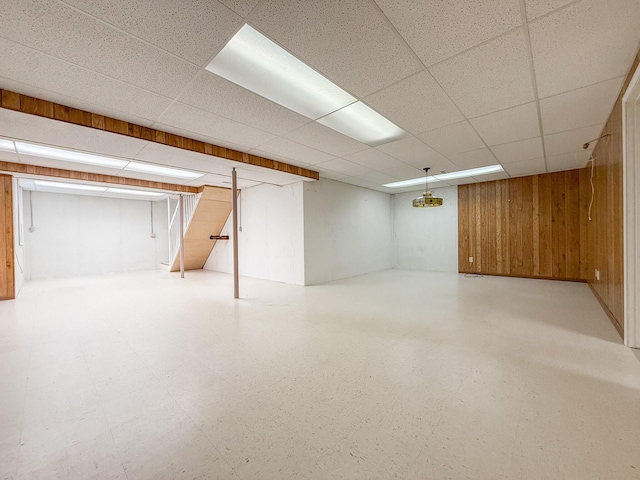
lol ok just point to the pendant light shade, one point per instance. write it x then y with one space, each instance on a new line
427 199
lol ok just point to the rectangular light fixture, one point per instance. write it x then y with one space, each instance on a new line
364 124
7 145
256 63
69 186
143 193
473 172
68 155
164 171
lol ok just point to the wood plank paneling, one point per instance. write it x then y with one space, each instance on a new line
605 247
524 227
42 108
7 273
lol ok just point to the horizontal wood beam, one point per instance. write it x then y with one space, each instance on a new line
54 111
21 168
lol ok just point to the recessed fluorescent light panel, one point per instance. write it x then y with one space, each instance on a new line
254 62
143 193
68 155
69 186
7 145
473 172
164 171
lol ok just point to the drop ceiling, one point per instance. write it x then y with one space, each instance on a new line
522 83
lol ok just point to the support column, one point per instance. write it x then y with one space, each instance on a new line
181 219
234 203
7 267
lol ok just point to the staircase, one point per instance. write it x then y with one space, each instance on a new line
204 215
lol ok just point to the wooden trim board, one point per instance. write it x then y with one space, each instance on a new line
7 267
54 111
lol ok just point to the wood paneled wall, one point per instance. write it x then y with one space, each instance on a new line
533 226
7 274
606 240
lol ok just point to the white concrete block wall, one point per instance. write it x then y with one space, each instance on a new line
347 231
426 238
84 235
271 244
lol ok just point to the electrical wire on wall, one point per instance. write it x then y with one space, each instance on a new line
240 211
32 228
153 233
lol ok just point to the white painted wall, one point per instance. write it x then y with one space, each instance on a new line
347 231
271 244
82 235
426 238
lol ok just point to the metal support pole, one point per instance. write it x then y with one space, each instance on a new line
234 203
181 219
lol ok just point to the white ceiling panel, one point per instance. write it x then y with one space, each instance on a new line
198 121
405 172
175 157
348 41
579 108
491 177
416 104
374 158
473 159
45 72
65 33
437 30
323 138
292 150
155 178
331 175
526 167
568 161
345 167
412 151
571 140
585 43
182 28
537 8
241 7
490 77
216 95
377 178
518 151
80 167
19 125
509 125
457 138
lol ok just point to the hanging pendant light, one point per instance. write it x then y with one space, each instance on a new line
427 199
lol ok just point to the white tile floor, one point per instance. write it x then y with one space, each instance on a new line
397 374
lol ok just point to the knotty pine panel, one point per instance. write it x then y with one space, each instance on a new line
525 227
7 273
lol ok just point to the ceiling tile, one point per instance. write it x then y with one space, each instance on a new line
526 167
377 178
571 140
437 30
491 177
567 161
457 138
66 33
182 28
417 104
191 119
331 175
373 158
175 157
508 125
491 77
241 7
288 149
345 167
473 159
216 95
80 167
323 138
348 41
585 43
518 151
412 151
405 172
44 72
537 8
579 108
